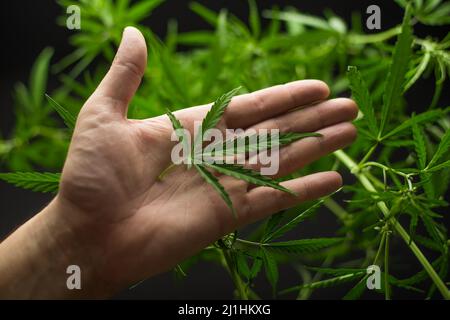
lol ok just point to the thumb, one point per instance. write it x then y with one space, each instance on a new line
126 71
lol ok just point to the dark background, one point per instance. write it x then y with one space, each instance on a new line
29 26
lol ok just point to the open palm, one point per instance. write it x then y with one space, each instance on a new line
135 225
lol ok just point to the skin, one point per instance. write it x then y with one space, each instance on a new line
115 219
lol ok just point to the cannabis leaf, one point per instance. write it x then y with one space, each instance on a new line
342 279
442 149
357 290
302 245
68 118
397 71
35 181
420 145
212 180
256 143
362 97
177 126
210 121
248 175
293 223
215 113
420 118
38 77
271 267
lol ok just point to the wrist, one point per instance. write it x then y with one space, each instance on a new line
36 257
77 240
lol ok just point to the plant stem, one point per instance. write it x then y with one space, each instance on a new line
368 154
380 248
334 207
354 169
231 266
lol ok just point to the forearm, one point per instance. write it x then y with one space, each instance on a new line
34 259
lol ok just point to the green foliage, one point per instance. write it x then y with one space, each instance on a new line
303 245
69 119
397 72
271 267
239 172
35 181
212 180
401 159
431 12
361 94
248 175
273 232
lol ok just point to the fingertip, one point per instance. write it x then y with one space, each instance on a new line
133 44
133 33
350 131
322 88
335 179
347 107
311 90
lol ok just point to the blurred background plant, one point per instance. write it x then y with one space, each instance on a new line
400 163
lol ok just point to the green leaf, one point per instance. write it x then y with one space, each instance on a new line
270 265
213 116
218 108
181 134
212 180
195 38
248 175
443 149
35 181
208 15
361 94
357 291
339 271
332 282
141 9
303 245
294 222
69 119
255 23
443 165
272 223
424 117
257 143
242 265
417 72
418 277
256 266
420 145
396 76
439 16
38 76
300 19
431 227
428 243
177 126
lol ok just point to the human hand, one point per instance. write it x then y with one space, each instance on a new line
126 224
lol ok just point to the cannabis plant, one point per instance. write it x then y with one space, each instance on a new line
400 163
